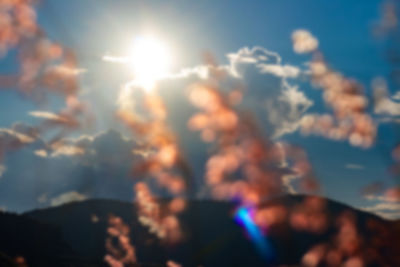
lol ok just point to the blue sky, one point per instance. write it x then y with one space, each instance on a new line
95 28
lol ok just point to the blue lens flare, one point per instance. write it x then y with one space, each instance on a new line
243 216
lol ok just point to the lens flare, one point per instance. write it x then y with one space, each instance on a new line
243 216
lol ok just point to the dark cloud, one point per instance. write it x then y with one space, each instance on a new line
38 174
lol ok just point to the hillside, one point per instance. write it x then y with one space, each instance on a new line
213 238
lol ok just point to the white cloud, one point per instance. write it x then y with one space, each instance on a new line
266 61
383 103
287 181
288 71
256 67
386 205
387 106
395 215
286 113
388 210
115 59
286 104
41 153
64 150
304 41
67 197
396 95
47 115
65 70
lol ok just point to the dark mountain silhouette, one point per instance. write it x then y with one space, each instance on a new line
43 244
74 235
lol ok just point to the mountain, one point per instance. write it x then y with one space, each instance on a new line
74 235
41 243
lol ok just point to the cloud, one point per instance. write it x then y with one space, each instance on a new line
390 195
265 61
396 95
201 71
387 210
25 129
9 138
115 59
354 166
386 205
286 113
395 215
65 71
64 150
285 104
262 73
281 71
304 41
41 153
102 168
67 197
47 115
265 76
287 181
383 103
386 106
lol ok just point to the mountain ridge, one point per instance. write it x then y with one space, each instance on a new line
213 238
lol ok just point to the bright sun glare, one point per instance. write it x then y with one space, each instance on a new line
150 60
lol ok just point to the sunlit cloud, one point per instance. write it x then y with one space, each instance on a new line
304 41
67 197
287 103
65 70
9 137
288 71
41 153
114 59
47 115
66 150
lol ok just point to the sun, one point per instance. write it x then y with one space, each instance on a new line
150 61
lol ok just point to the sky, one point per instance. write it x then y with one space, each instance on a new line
228 30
